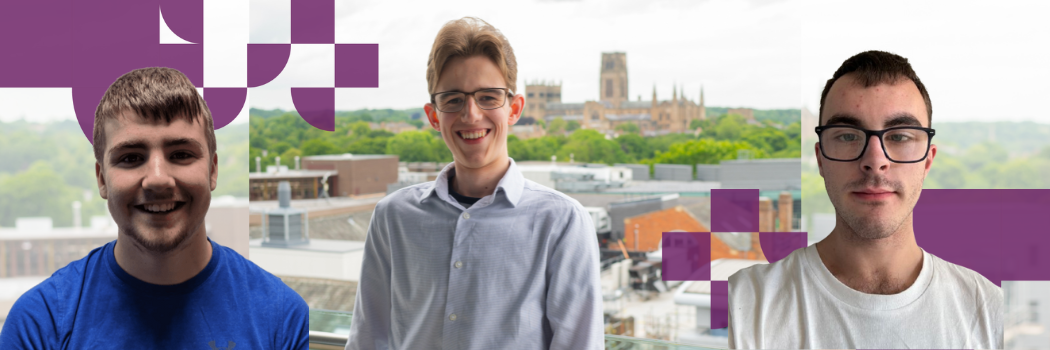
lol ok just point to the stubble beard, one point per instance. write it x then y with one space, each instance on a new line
156 243
873 227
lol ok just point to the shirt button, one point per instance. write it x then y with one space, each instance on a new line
452 317
466 215
459 264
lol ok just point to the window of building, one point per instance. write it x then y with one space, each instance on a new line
608 88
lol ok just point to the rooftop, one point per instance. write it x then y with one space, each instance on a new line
658 186
291 174
317 245
348 156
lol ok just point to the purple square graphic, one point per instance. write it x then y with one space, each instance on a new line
686 256
777 245
1001 234
719 304
357 65
313 21
734 210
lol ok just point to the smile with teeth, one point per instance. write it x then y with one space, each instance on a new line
475 134
160 208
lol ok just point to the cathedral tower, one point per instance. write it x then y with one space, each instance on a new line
613 83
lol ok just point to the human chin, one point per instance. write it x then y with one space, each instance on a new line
159 240
161 226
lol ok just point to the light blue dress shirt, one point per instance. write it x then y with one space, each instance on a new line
519 269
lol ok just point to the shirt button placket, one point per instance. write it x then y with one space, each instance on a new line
466 215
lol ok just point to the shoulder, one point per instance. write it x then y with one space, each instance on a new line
260 283
65 283
550 200
40 313
964 280
755 281
407 196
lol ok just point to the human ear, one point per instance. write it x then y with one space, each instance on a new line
431 115
100 178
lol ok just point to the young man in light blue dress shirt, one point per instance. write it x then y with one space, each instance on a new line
481 258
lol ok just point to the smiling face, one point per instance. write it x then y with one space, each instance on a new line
157 178
476 137
873 195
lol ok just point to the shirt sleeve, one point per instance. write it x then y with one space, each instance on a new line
370 325
295 320
31 322
574 298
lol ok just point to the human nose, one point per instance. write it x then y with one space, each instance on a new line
471 112
158 177
874 158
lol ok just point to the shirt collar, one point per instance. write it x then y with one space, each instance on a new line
512 183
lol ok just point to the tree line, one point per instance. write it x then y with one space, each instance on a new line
286 135
44 168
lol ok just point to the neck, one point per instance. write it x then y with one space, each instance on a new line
875 266
479 182
168 268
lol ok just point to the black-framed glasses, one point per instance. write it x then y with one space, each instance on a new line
902 144
453 101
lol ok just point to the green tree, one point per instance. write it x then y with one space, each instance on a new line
418 146
628 128
572 126
37 191
635 146
557 126
590 146
705 151
315 147
360 129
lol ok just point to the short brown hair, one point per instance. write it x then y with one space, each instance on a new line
155 93
877 67
466 37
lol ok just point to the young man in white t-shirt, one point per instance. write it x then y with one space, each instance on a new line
868 284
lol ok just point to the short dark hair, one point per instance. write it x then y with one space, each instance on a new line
155 93
873 68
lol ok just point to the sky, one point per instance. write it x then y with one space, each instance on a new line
744 53
980 61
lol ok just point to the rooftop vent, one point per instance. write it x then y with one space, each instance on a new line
286 226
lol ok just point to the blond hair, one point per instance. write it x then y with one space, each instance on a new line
467 37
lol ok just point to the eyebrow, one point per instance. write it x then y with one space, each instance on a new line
843 119
484 88
898 119
901 119
142 144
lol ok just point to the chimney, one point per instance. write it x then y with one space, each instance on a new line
785 208
765 214
258 164
296 162
76 215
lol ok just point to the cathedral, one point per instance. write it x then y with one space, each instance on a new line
653 117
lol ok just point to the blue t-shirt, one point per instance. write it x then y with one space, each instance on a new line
93 304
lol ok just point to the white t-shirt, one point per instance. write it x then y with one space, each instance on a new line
797 303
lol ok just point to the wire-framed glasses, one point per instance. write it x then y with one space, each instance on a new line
902 144
453 101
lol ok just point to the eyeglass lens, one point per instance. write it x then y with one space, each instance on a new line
902 145
450 102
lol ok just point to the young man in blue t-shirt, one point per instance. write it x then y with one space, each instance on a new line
162 284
